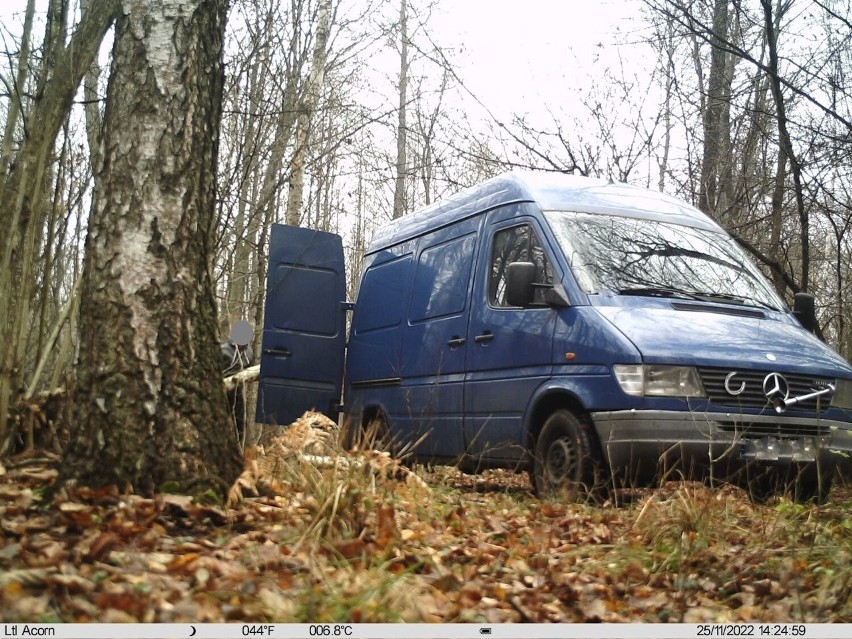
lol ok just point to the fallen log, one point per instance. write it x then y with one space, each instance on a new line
246 375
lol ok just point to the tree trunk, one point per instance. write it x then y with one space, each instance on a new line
402 127
147 413
240 272
16 96
307 106
715 164
426 124
772 24
92 109
667 51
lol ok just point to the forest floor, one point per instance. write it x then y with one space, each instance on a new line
362 542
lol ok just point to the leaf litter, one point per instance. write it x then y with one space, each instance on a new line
312 533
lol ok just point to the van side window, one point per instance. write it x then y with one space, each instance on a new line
382 295
442 279
516 244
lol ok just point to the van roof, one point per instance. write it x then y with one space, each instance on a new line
552 192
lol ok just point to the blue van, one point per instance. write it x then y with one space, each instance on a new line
589 332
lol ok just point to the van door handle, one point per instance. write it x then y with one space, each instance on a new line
486 336
278 352
456 341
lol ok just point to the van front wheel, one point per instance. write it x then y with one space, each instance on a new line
566 460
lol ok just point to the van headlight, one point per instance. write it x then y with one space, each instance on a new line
657 380
842 397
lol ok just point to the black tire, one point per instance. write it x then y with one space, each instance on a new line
374 433
567 461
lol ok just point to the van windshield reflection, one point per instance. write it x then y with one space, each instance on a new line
628 256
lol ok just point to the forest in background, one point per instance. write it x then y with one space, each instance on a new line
343 115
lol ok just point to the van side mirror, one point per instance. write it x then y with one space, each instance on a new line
519 283
804 310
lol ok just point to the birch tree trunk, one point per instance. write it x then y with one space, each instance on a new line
149 411
307 107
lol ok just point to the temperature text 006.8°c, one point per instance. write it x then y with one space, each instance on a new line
330 630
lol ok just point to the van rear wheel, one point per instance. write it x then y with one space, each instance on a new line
567 462
377 433
372 433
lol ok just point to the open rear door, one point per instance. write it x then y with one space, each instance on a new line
304 326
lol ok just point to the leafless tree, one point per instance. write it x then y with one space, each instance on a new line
27 171
775 107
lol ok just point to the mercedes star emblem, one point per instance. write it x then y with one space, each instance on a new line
776 389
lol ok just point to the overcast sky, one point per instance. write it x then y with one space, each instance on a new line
533 57
519 53
515 52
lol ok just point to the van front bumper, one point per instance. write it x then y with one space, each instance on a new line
645 444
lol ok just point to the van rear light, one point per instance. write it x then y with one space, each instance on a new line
657 380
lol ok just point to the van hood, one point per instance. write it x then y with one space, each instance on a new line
719 337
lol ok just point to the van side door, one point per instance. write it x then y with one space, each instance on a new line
304 326
509 348
429 403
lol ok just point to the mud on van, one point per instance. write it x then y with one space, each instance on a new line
588 332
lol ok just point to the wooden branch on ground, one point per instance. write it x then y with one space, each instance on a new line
249 374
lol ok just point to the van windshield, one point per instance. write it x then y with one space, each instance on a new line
629 256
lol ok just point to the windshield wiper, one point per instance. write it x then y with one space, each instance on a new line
658 291
733 299
667 291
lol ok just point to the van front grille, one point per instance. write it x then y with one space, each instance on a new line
748 386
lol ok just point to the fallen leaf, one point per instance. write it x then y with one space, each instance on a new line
350 548
388 532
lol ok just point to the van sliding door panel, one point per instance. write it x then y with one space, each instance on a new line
376 342
304 328
430 400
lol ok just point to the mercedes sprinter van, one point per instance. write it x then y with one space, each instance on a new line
589 332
